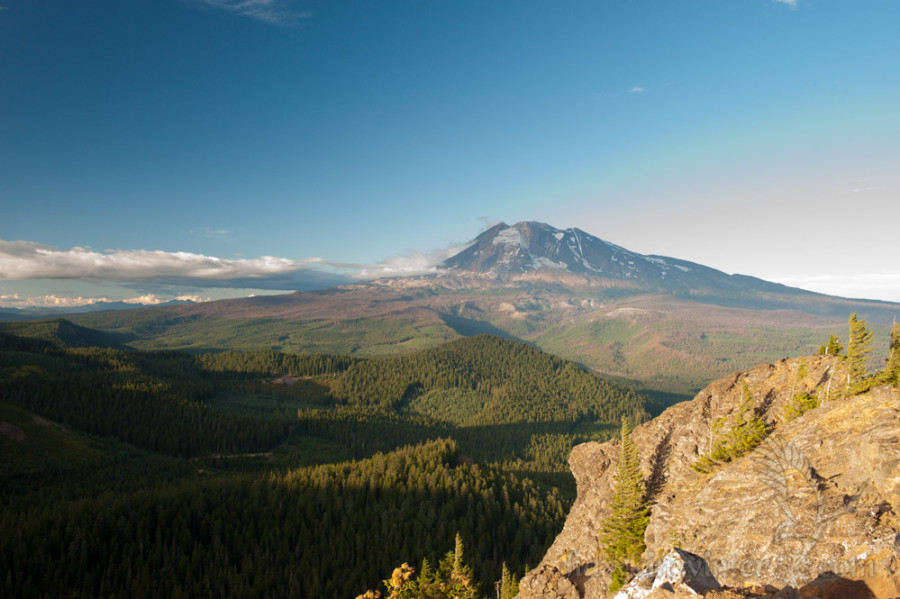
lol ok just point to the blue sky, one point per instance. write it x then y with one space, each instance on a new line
211 148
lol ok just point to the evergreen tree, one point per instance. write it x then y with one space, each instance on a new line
426 575
509 584
859 346
832 348
458 584
747 431
891 373
453 580
800 404
622 536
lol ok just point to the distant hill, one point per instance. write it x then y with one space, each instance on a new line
485 380
12 314
45 312
58 331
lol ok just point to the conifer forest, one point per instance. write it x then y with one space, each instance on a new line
262 474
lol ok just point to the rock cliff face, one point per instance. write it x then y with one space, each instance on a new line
821 496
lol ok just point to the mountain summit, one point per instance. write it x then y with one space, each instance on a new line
526 248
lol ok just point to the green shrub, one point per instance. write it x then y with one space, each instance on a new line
747 431
800 404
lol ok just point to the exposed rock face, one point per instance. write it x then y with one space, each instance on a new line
679 572
820 495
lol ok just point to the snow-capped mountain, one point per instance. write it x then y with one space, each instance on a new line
528 247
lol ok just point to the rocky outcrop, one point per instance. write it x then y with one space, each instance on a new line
821 496
680 572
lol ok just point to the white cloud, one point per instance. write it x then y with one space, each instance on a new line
150 299
791 3
16 300
273 12
880 285
23 260
28 260
210 232
636 90
410 264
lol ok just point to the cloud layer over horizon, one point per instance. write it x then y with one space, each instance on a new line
882 285
29 260
23 260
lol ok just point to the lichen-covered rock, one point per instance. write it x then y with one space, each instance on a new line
821 494
547 581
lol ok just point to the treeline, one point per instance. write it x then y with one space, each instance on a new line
326 531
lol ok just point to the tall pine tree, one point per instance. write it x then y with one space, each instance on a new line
622 536
891 373
508 584
859 346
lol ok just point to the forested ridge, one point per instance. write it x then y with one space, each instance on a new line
513 381
505 381
171 474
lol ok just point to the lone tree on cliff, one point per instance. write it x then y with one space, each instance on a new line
622 537
891 373
859 345
832 348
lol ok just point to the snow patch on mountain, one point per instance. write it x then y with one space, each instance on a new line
510 236
541 262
